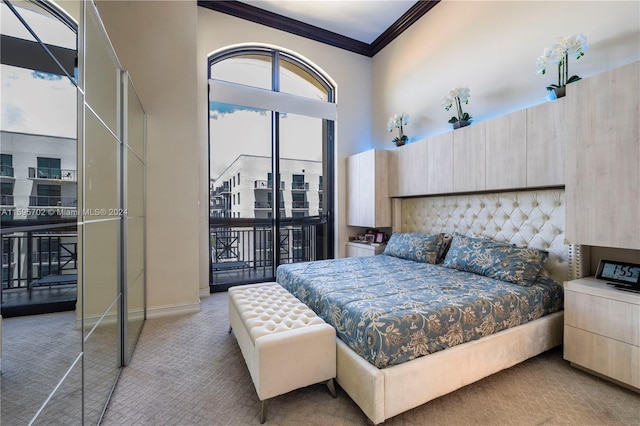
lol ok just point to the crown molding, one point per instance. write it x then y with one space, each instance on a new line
404 22
283 23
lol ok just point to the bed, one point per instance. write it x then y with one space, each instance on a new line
390 358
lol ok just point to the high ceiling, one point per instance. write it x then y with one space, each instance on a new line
362 20
361 26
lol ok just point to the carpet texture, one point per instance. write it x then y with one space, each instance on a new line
187 370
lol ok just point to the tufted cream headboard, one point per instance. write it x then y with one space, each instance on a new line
532 219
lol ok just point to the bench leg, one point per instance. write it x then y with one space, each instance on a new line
332 388
263 411
230 328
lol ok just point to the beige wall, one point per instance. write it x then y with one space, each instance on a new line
156 42
492 47
351 73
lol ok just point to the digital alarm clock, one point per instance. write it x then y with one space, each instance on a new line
625 275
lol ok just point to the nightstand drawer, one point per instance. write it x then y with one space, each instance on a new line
607 317
612 358
360 250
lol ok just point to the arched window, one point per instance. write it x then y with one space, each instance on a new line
271 113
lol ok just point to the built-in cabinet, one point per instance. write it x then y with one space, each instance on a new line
412 157
602 330
603 159
440 163
368 202
524 149
469 158
506 151
546 140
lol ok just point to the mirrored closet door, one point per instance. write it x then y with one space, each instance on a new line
73 214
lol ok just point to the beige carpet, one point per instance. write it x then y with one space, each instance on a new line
188 370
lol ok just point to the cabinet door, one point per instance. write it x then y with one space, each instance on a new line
361 183
546 139
412 169
440 163
602 158
368 202
469 154
506 151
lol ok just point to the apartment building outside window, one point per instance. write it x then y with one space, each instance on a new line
6 160
48 168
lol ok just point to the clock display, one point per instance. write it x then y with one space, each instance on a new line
621 272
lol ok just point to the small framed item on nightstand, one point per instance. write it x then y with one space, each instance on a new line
624 275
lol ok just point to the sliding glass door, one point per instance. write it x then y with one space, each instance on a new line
271 164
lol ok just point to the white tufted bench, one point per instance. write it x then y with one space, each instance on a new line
285 344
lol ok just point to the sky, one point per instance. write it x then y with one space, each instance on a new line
237 130
31 101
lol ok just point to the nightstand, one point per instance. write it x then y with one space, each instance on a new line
602 330
359 249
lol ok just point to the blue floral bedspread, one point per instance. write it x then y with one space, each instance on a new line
391 310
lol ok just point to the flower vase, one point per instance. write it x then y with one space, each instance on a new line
461 123
401 140
560 91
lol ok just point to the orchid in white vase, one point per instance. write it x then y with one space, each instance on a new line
458 96
558 55
398 121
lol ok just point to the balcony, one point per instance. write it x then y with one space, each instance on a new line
266 184
242 249
223 189
299 186
6 200
52 201
266 204
45 173
300 205
7 172
219 204
39 270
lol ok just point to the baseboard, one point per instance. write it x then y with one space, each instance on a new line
169 310
205 292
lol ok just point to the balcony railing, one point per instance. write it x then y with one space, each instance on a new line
223 189
266 184
299 204
242 249
6 200
27 257
52 173
266 204
7 171
52 201
299 186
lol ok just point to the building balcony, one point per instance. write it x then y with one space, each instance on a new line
266 184
45 173
52 201
266 205
223 189
6 200
300 205
299 186
7 172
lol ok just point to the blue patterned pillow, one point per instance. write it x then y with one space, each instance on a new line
495 260
416 247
